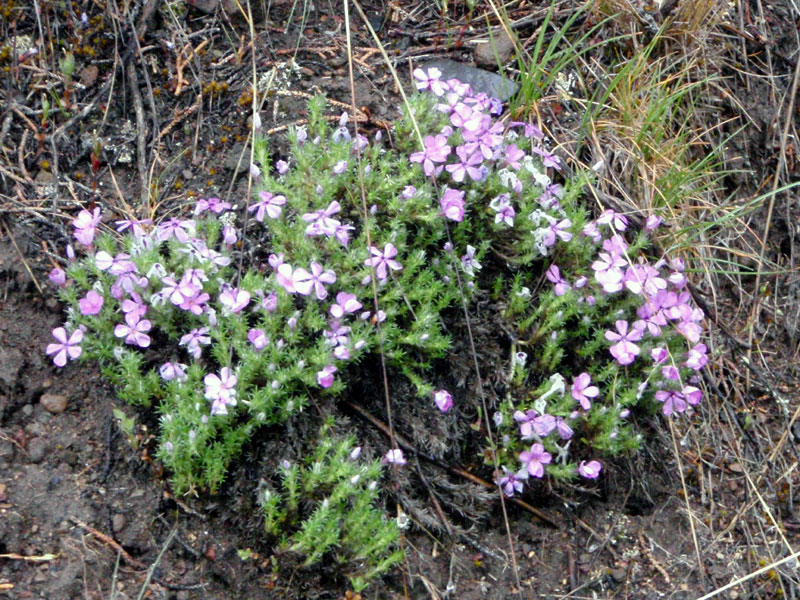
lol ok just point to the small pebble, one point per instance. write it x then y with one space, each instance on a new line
37 448
27 410
118 522
619 575
54 403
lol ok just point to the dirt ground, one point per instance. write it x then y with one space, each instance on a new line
86 513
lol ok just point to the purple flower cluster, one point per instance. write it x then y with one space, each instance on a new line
475 143
665 309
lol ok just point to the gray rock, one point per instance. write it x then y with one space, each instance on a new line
496 49
54 403
37 449
491 84
11 361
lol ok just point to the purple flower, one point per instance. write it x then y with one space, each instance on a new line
469 263
525 420
513 156
66 348
608 272
470 163
558 230
548 159
564 430
337 334
320 221
696 357
340 167
91 303
284 275
85 225
625 351
543 425
383 260
430 80
610 217
135 225
653 222
282 167
692 394
134 330
510 483
452 204
316 279
673 401
394 457
58 276
443 399
505 211
659 355
553 274
345 304
590 470
215 205
255 172
229 235
170 371
269 205
234 299
221 390
534 460
435 150
325 376
194 339
175 227
582 390
670 372
409 192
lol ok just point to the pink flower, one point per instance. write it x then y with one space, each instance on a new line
443 399
435 150
590 470
383 260
85 225
345 304
170 371
510 483
66 348
582 390
316 279
692 394
625 351
284 274
234 299
91 303
534 460
553 274
696 357
673 401
452 204
394 457
215 205
134 330
258 338
269 205
221 390
325 376
58 277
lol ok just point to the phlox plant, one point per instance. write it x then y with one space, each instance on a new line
231 317
328 504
